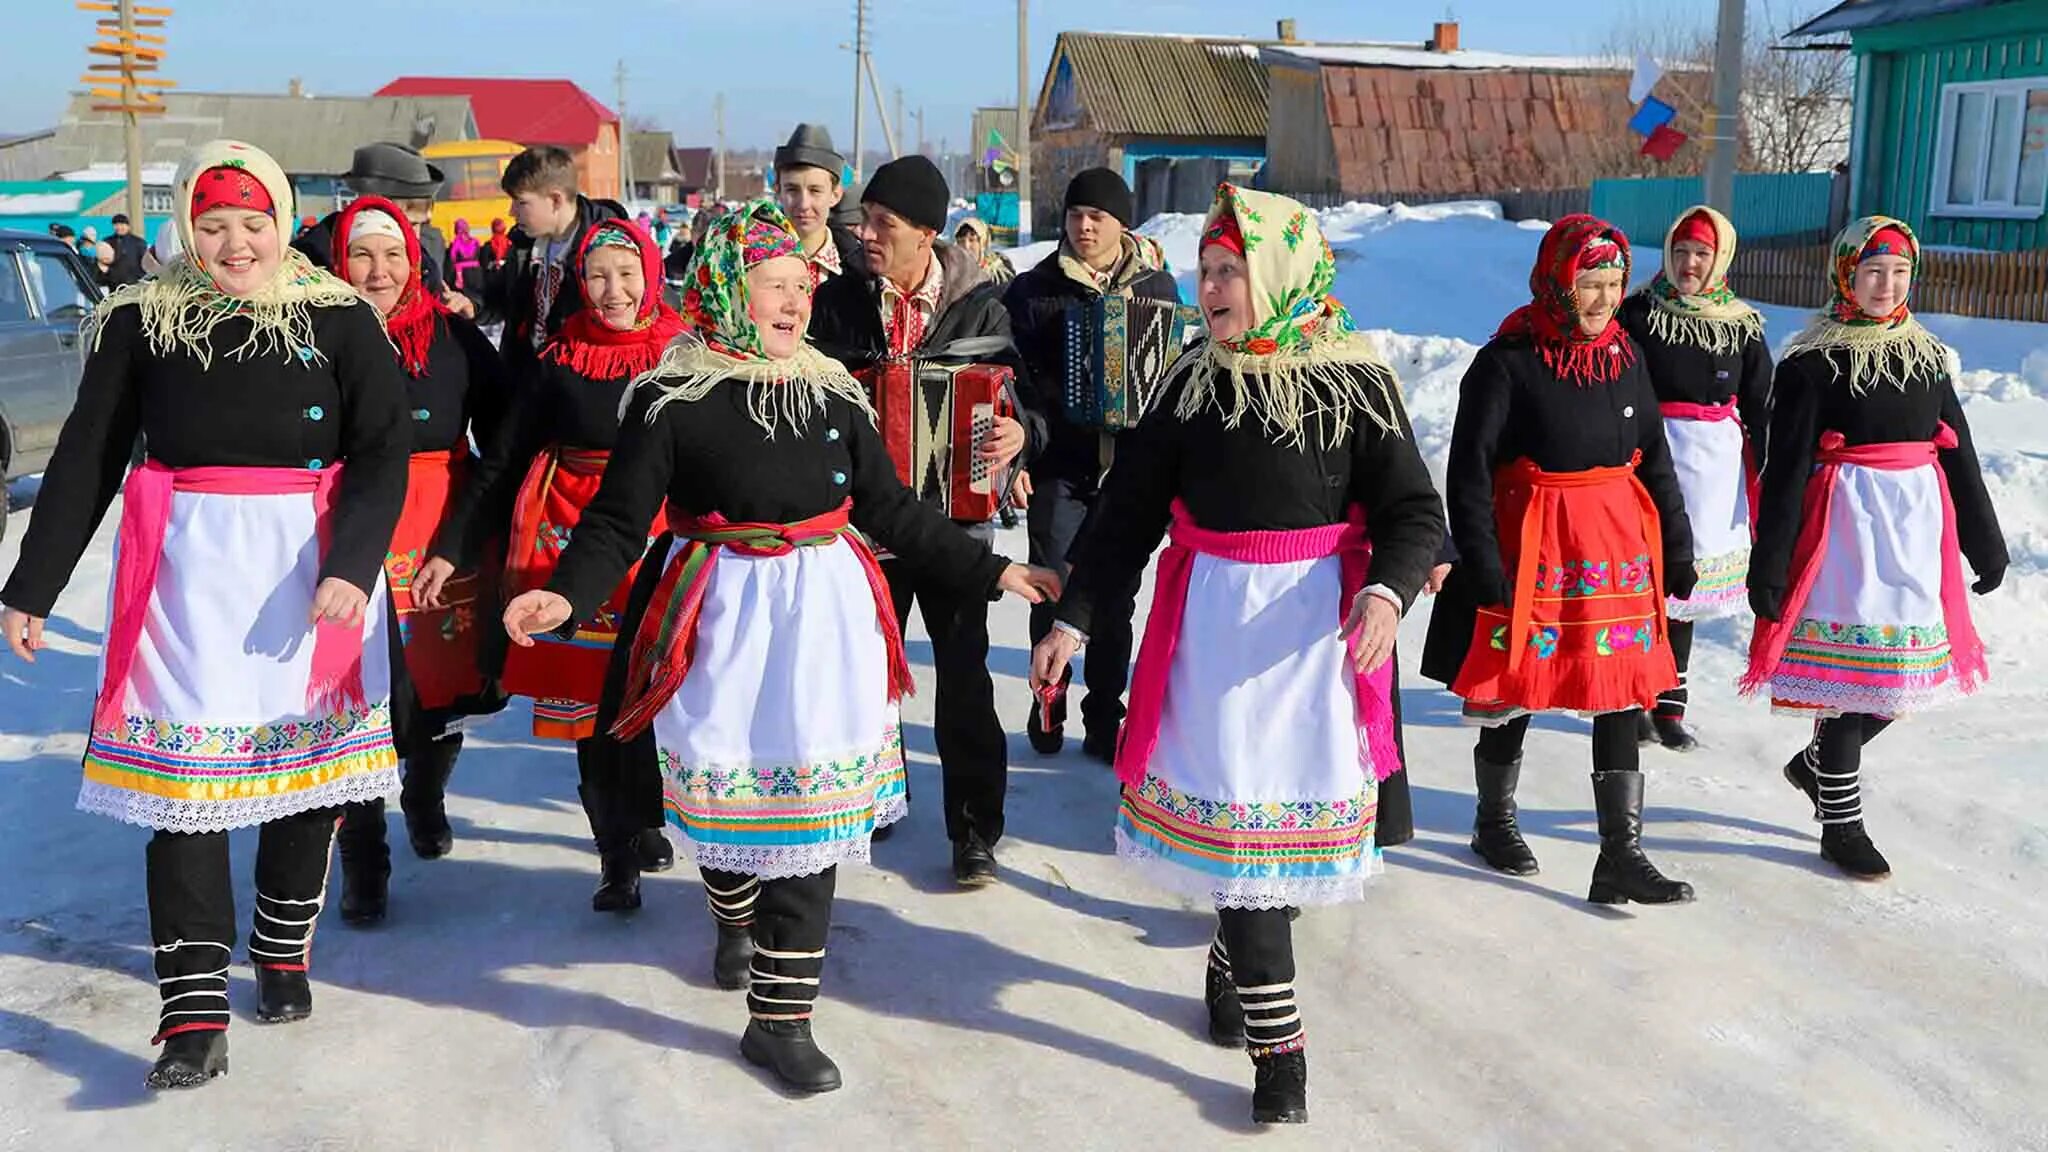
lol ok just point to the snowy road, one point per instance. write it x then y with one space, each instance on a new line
1455 1009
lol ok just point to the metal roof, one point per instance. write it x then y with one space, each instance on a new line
306 135
1137 85
1852 15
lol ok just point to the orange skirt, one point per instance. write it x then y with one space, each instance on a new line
440 643
564 677
1587 631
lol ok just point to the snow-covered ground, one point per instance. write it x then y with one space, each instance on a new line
1455 1009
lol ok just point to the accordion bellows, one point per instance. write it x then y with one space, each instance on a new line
1118 352
932 417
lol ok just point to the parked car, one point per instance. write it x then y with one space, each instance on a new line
45 292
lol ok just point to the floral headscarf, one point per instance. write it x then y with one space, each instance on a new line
1714 319
725 344
412 323
1574 245
1302 358
1894 349
597 350
181 305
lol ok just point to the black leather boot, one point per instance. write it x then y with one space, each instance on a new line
787 1048
1623 873
1226 1012
1646 731
190 1059
1280 1088
656 854
1046 727
1848 847
365 863
1100 742
618 884
283 995
1672 732
734 958
423 798
1495 836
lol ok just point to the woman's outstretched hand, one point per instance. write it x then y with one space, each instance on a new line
535 611
24 633
1050 657
1371 627
1035 585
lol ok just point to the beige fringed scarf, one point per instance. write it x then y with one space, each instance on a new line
1302 361
1893 350
780 393
1715 319
181 305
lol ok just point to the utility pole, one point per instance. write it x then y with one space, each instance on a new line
860 60
718 117
1023 122
881 108
920 132
900 137
625 138
121 85
1726 133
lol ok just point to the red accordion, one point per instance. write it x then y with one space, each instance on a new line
932 418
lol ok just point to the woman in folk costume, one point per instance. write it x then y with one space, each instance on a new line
1571 531
558 437
452 385
1705 352
245 677
1872 498
465 259
1300 524
764 663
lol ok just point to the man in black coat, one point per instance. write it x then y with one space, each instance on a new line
807 185
1097 256
917 296
398 173
128 249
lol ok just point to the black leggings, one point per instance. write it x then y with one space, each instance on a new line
1836 758
1614 742
791 918
1255 947
1672 702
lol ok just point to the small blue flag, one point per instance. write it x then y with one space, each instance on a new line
1654 114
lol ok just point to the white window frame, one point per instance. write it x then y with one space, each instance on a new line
1944 155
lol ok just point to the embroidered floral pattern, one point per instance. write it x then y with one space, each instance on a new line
1542 640
1575 578
1618 639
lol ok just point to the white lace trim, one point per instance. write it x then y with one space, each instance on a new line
891 810
776 861
1732 603
170 814
1823 699
1250 893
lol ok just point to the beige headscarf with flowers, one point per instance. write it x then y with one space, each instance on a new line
181 305
1891 349
1302 359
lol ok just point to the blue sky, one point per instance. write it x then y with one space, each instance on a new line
775 62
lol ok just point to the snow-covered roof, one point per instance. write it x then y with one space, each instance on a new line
153 175
1391 56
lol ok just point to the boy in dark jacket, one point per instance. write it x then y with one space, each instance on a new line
1097 256
916 296
533 297
807 185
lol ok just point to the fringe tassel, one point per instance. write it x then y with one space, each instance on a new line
1717 337
1894 355
1327 383
181 306
780 392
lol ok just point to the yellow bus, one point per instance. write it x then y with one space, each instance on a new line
471 170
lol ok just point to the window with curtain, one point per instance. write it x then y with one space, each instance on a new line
1991 155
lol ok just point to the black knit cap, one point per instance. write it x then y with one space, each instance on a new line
1103 190
912 188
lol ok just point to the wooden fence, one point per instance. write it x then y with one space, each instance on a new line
1992 285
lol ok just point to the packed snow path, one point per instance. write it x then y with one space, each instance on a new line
1454 1009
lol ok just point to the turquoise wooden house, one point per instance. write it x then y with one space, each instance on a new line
1951 127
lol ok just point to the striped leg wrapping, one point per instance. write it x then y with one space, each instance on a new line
784 985
733 908
1219 954
1671 702
195 993
1841 793
282 936
1272 1023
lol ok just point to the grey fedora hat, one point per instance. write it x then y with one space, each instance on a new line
810 146
392 170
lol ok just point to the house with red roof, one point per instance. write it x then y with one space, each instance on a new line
531 112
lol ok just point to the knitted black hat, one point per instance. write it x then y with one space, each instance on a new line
912 188
810 146
1103 190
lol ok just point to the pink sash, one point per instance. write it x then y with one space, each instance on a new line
1186 540
337 677
1767 644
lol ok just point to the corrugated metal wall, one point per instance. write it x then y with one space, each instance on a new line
1905 128
1766 204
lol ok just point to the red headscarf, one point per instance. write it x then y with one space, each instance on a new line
1226 233
599 351
1698 228
1551 320
226 186
501 240
411 324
